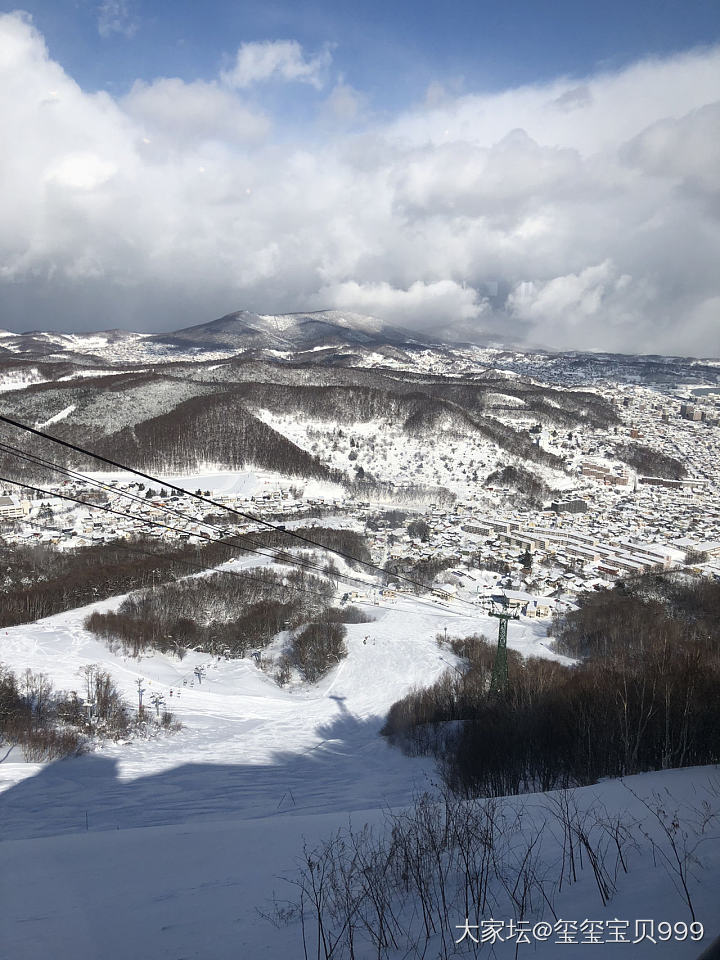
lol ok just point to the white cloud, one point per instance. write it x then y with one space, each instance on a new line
591 307
575 296
425 306
115 16
685 149
607 109
182 112
81 171
345 105
259 62
590 209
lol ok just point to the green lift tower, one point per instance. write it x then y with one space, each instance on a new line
500 608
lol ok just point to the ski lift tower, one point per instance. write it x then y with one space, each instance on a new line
499 607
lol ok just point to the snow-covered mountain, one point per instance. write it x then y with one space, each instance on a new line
292 331
330 338
325 334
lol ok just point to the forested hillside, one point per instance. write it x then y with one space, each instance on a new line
642 696
177 417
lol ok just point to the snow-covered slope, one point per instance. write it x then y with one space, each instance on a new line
262 739
204 889
174 847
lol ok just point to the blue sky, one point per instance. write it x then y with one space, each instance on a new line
546 173
390 50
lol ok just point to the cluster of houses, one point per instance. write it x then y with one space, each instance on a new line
610 522
607 523
55 521
537 561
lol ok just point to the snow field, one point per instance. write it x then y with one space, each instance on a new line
199 889
262 738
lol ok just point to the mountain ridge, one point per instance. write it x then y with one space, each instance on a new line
243 329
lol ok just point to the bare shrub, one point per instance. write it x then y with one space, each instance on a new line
47 743
48 725
404 888
317 648
169 722
346 615
216 614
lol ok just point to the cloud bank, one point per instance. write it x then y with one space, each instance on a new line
572 214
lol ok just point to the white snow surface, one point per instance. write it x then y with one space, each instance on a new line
264 739
351 321
62 415
231 483
167 848
196 889
20 379
93 372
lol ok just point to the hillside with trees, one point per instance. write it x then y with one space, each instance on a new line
174 417
642 696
